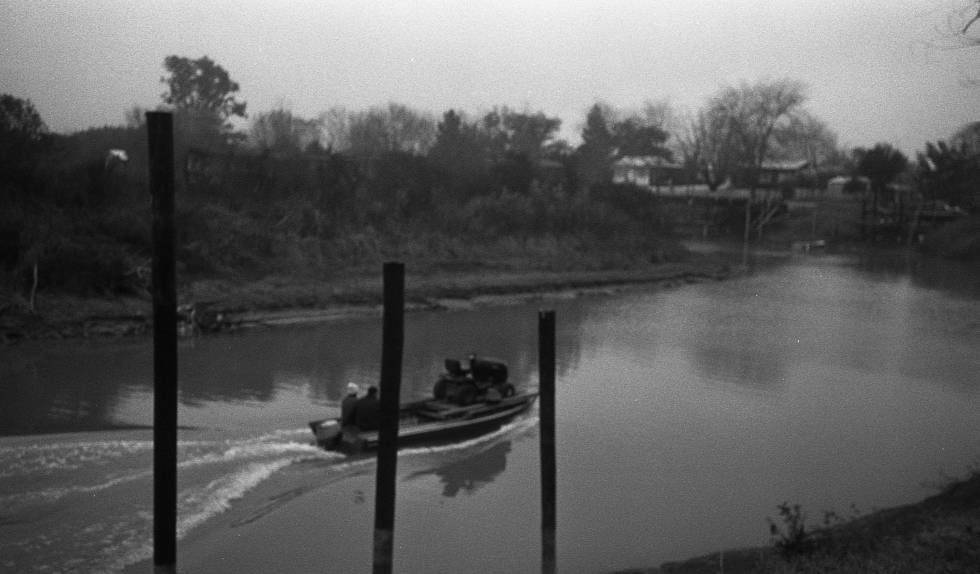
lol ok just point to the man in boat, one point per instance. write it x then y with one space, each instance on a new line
347 405
367 416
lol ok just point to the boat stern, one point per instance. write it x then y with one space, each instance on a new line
327 432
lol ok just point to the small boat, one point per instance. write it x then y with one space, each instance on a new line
430 420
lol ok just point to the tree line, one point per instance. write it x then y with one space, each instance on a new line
347 189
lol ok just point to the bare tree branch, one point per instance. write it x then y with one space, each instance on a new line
972 21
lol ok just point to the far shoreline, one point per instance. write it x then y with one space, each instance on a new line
224 305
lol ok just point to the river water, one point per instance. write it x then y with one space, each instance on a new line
684 416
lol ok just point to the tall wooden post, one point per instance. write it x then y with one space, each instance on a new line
161 158
393 327
546 388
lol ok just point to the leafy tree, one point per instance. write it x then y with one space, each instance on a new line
507 133
461 153
23 136
201 85
528 134
951 173
634 139
203 96
967 138
594 156
881 165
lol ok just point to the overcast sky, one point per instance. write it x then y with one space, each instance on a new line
877 70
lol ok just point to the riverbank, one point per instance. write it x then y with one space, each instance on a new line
938 534
222 305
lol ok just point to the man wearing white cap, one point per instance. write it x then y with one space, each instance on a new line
347 405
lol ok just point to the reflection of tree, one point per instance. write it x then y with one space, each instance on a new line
954 278
469 474
78 386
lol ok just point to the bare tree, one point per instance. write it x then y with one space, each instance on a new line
335 128
806 137
280 131
758 110
392 128
736 131
714 144
974 8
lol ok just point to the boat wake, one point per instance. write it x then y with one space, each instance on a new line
87 505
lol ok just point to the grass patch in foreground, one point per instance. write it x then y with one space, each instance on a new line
938 534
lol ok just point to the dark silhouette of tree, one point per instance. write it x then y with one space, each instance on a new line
203 96
23 136
631 138
461 152
507 134
881 165
951 173
201 85
594 157
528 134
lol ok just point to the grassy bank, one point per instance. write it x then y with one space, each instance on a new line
938 534
223 304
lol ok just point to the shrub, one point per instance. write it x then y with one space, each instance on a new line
956 240
792 539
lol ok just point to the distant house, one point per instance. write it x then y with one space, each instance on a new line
775 174
844 186
647 171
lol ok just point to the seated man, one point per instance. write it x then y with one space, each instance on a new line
367 416
347 405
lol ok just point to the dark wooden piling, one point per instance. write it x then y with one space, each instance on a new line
546 388
161 159
393 336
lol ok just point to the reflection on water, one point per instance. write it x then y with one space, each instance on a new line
469 474
864 310
70 386
958 279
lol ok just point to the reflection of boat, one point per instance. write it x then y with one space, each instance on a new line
427 421
470 473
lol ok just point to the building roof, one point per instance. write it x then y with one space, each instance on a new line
785 165
646 161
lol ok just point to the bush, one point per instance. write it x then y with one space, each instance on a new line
956 240
792 539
